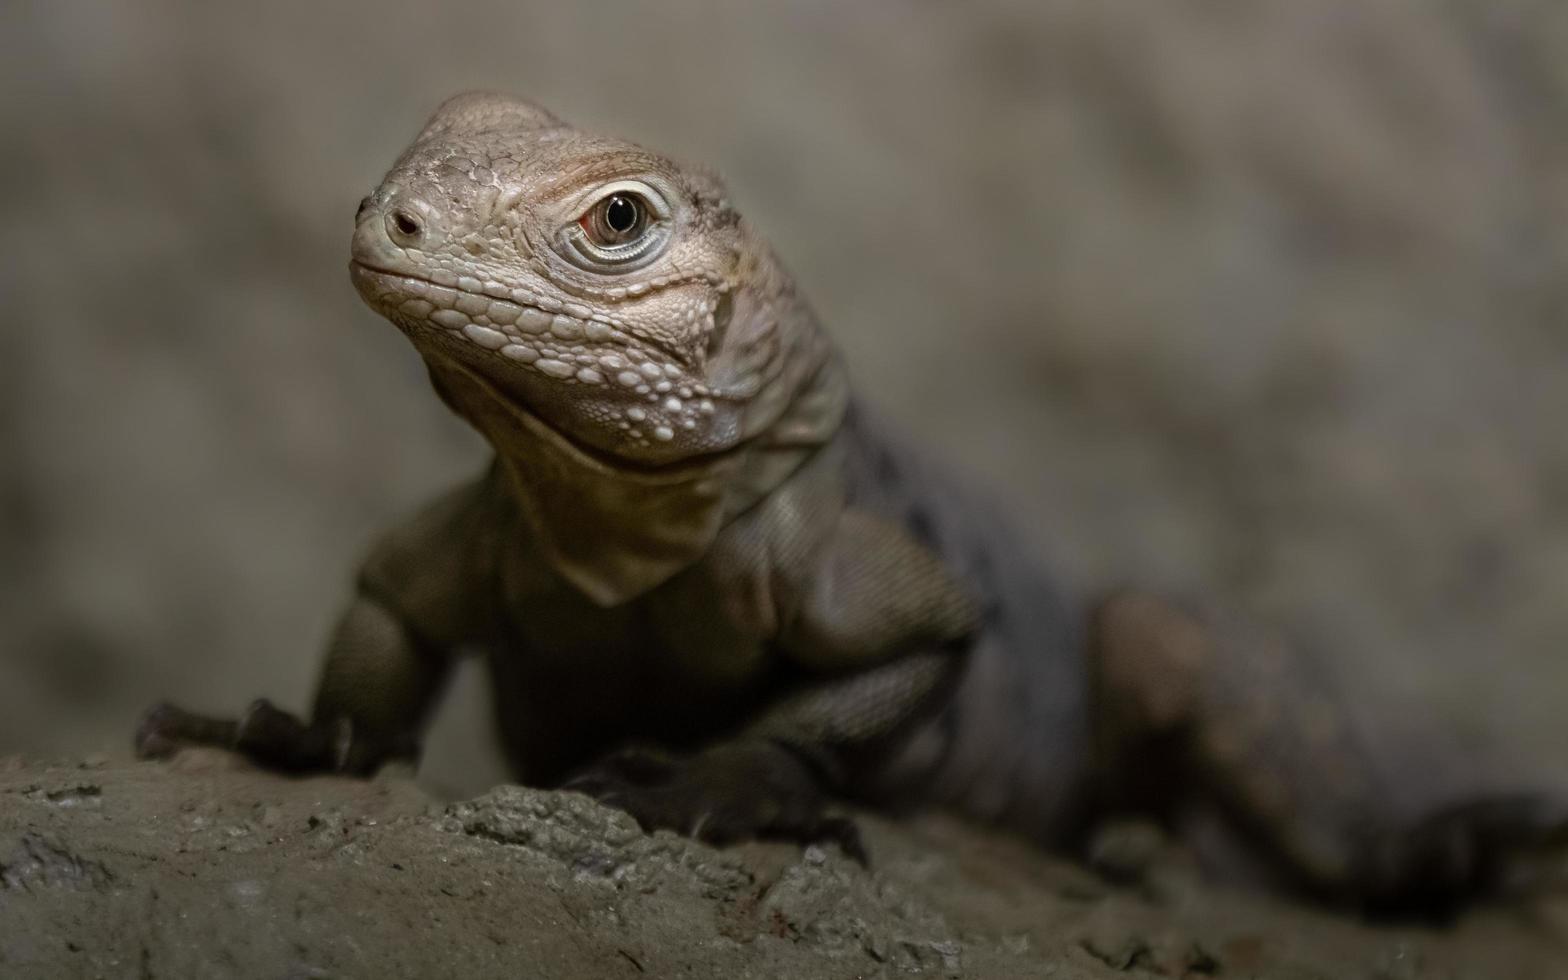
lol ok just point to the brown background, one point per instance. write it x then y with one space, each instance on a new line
1268 299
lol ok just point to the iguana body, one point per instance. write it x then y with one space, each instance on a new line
714 592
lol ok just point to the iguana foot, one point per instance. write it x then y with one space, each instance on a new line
270 738
730 793
1433 867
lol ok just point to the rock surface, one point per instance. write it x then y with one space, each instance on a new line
205 869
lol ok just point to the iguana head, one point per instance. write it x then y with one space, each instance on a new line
609 292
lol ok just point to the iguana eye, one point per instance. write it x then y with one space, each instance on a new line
626 226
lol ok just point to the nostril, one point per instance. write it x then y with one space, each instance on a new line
364 205
406 224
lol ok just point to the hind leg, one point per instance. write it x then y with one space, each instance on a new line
1195 718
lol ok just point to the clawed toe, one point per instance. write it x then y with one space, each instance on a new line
846 834
165 729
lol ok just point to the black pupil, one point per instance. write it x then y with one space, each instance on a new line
620 214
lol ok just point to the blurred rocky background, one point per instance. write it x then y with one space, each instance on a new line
1267 300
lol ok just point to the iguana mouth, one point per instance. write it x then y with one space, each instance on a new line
564 341
548 353
417 304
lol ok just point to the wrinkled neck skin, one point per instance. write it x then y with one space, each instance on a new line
615 528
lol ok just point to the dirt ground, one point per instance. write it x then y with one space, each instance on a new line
201 868
1266 300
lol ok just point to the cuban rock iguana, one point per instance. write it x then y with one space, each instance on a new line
713 592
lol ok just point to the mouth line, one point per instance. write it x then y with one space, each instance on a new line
498 291
565 341
534 315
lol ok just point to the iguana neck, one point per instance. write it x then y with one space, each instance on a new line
615 530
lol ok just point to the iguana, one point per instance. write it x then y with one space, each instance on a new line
714 591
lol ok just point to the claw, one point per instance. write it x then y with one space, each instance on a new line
165 729
846 834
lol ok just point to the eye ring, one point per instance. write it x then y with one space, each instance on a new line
625 226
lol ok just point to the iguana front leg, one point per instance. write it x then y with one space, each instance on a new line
375 691
418 596
777 777
881 630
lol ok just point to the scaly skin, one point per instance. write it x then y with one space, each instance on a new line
712 592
